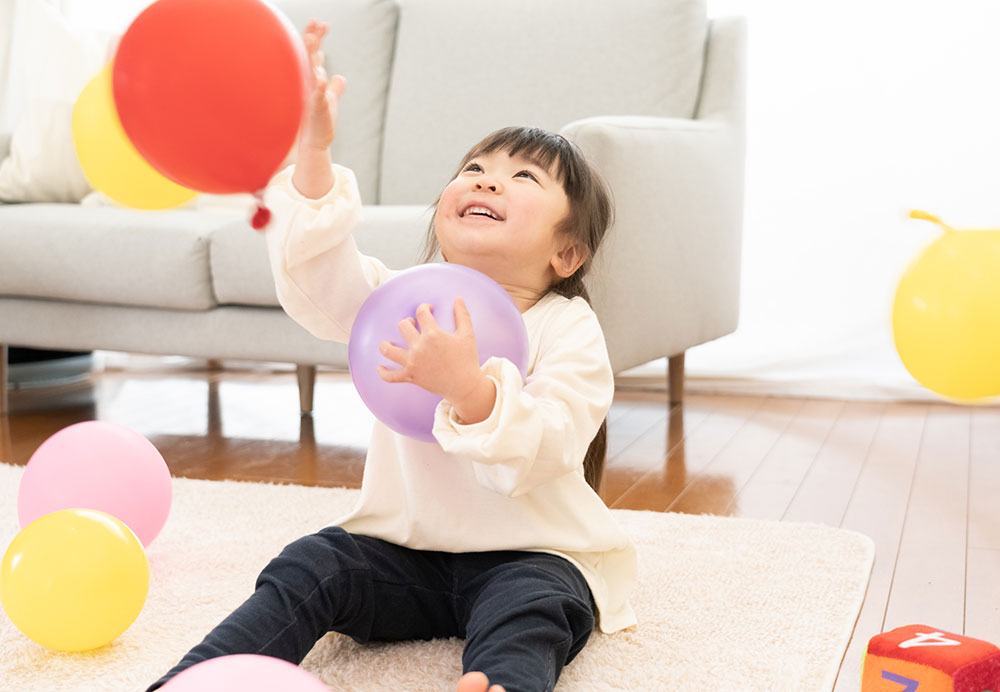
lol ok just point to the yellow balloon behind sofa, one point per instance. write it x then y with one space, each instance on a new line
108 158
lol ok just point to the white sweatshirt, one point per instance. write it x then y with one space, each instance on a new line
511 482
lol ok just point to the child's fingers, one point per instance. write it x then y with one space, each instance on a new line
318 72
337 85
315 28
394 353
463 320
313 38
396 375
424 318
408 328
311 42
317 96
316 58
320 79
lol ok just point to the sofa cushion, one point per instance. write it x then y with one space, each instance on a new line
106 255
464 68
241 274
358 45
240 271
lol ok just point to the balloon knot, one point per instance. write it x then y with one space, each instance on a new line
261 217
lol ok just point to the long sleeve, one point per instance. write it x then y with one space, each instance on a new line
320 277
541 429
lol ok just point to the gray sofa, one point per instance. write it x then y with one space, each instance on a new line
652 90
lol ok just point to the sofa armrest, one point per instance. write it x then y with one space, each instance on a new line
668 276
723 86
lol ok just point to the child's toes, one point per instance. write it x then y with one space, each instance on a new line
473 682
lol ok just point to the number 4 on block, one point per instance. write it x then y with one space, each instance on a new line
917 658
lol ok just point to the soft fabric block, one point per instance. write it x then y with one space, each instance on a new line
918 657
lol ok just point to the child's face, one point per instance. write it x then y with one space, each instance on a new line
499 216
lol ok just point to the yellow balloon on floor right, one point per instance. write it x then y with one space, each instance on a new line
946 314
109 160
74 580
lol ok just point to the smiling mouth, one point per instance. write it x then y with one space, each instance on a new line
480 211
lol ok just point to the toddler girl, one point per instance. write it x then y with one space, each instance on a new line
492 533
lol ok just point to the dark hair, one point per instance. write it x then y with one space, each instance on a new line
591 213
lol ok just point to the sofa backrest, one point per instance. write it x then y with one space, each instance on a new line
427 79
463 68
359 44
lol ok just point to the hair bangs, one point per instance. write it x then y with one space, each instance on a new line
548 151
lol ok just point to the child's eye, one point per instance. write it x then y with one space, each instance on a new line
527 173
473 167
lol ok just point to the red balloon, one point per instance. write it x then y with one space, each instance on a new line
211 92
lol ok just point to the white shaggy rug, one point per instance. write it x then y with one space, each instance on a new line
725 605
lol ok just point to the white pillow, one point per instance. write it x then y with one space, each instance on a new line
42 164
51 62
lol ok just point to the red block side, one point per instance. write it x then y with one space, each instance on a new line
979 676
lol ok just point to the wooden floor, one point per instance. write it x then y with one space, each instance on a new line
922 480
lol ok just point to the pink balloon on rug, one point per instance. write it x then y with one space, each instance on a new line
244 673
98 465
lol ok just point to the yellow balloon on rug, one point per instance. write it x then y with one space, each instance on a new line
74 580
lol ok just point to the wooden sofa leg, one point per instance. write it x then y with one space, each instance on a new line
4 402
307 381
675 377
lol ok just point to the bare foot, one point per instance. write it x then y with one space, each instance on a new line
477 682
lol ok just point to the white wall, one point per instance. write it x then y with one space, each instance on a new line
857 111
105 15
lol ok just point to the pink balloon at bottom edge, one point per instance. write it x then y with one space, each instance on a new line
98 465
244 673
496 321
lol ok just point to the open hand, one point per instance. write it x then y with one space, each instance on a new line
444 363
320 118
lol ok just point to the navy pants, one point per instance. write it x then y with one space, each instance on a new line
523 615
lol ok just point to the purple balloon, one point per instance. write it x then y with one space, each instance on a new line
496 321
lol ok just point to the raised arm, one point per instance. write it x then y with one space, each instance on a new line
313 176
320 277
